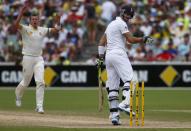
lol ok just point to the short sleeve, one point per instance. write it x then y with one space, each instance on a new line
23 29
123 28
45 30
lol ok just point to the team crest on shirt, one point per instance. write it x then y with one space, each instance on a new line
40 33
30 33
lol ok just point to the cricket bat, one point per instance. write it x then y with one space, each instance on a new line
100 90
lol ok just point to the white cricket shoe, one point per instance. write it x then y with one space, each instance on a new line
18 102
40 110
125 108
115 121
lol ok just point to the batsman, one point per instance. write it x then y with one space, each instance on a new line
113 45
33 63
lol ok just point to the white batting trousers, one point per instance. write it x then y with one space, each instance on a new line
118 66
32 65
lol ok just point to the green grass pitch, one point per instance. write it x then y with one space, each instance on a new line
165 105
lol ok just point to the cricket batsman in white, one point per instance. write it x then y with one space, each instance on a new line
113 45
33 63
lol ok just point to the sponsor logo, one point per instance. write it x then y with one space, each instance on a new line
104 76
170 76
141 75
50 76
11 76
74 76
186 76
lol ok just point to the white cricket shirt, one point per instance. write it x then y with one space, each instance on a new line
115 38
32 40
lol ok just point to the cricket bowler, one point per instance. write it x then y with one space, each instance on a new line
33 63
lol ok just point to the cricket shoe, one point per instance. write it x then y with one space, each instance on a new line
115 121
18 102
125 108
39 110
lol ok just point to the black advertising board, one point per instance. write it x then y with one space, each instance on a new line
154 75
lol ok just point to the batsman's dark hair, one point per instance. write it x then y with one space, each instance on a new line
127 9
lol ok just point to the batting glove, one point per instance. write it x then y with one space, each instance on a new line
100 62
148 40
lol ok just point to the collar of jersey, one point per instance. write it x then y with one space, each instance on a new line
32 27
119 18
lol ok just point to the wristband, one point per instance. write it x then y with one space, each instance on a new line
101 50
